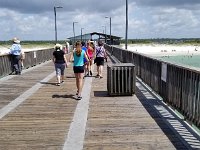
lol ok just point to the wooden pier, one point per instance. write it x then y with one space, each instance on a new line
35 114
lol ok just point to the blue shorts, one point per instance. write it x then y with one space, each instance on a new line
78 69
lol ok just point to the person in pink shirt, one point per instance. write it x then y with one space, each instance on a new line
90 53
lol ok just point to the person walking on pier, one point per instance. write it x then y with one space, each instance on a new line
90 54
99 60
60 62
16 53
84 48
78 55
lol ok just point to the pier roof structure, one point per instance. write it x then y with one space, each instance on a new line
97 35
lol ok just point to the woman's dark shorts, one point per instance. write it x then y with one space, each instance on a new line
78 69
100 61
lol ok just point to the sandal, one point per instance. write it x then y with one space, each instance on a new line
79 98
58 84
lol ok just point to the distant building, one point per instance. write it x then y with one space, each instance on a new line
115 40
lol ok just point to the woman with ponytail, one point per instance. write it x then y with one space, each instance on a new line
78 67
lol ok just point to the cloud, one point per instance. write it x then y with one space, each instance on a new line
168 3
40 6
24 6
34 19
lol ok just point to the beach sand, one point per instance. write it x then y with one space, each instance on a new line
163 49
5 51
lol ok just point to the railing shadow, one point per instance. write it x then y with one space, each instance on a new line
174 127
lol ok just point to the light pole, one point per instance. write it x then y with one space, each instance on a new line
55 22
74 30
81 33
103 29
105 35
104 32
110 31
126 36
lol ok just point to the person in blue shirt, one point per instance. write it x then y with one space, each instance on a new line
16 53
78 67
84 48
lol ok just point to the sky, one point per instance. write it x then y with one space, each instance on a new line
34 19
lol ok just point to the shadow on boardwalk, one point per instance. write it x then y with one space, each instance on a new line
49 83
64 96
177 131
101 94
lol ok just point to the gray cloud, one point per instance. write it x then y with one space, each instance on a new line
40 6
34 19
24 6
174 3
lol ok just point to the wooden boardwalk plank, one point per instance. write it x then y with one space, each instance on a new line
12 88
122 123
43 120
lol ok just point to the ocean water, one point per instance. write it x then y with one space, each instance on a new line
188 60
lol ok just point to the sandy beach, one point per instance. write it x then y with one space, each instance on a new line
163 49
4 50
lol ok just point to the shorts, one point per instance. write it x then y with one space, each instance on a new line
100 61
78 69
85 60
60 68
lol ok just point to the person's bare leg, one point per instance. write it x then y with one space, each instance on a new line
86 68
90 67
79 86
77 82
101 71
98 71
62 78
58 79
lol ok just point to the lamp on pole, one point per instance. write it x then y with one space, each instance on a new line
74 30
110 31
81 34
126 36
55 22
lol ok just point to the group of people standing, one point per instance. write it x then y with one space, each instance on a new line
83 57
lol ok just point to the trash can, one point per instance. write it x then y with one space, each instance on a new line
121 79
